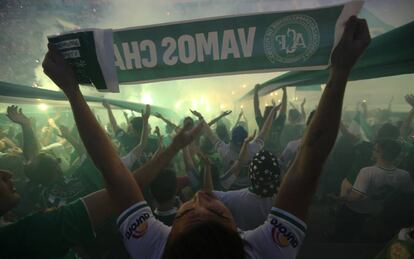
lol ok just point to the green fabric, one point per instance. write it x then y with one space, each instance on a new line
389 54
47 234
31 93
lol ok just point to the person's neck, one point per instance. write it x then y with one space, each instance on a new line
385 164
166 205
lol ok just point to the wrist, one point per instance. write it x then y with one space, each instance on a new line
341 71
73 91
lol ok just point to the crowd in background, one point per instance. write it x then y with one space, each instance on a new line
366 188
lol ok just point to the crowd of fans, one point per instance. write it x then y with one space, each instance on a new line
205 189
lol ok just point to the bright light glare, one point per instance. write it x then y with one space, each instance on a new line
42 107
146 98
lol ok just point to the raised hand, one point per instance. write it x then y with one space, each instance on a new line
197 114
57 69
145 115
186 135
303 102
355 40
16 115
409 98
225 113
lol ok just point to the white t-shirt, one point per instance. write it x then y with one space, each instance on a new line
374 182
289 153
229 156
145 237
249 210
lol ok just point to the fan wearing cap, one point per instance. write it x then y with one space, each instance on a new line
251 206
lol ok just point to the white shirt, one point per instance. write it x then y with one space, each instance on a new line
374 182
289 153
145 237
229 156
249 210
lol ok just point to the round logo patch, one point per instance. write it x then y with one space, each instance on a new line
291 39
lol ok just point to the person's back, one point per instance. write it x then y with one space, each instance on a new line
252 210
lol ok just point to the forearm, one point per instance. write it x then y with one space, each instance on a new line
215 120
188 160
256 104
303 112
168 122
150 170
119 181
208 180
405 129
302 178
30 143
323 130
112 120
267 125
231 175
283 108
210 134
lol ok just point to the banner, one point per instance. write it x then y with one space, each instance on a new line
292 40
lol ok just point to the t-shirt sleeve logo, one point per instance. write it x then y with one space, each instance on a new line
282 236
139 227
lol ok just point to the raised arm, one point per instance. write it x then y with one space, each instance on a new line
302 109
207 130
256 106
149 171
111 117
208 185
228 178
136 152
30 143
168 122
239 118
222 115
298 187
268 123
283 108
406 129
120 183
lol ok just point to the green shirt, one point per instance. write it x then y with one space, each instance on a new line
47 234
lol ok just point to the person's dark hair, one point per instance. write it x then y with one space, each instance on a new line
206 240
238 134
222 132
136 124
294 115
164 187
188 119
388 131
44 169
310 117
390 149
